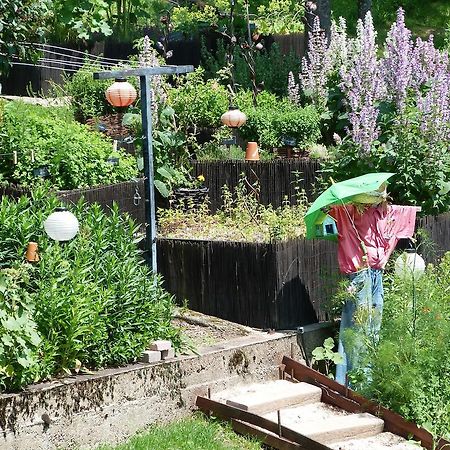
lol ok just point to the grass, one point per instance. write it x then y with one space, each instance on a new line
194 433
422 17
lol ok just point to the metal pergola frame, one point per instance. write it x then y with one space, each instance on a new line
145 74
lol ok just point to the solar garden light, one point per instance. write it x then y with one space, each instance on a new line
61 225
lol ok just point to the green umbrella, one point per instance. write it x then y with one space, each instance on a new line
338 194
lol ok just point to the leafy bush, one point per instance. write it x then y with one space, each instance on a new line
422 167
95 301
76 157
410 367
241 218
268 125
87 96
19 339
198 103
271 66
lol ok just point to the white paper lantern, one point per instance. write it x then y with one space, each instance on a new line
409 264
61 225
233 118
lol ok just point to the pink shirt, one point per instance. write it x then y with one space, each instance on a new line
378 227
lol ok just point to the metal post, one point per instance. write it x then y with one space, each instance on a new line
147 153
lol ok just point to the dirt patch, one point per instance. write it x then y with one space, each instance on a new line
200 330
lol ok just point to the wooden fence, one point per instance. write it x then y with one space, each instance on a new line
279 285
277 179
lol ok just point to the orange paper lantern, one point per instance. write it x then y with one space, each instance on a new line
121 93
233 118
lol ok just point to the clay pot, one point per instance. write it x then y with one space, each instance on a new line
252 153
32 254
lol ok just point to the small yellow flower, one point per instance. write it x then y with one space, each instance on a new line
201 178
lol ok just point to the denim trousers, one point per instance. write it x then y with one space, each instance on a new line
366 289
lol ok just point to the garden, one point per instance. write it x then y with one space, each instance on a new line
242 144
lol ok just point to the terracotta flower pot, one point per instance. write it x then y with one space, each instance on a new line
252 153
32 254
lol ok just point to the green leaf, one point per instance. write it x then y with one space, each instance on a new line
328 343
162 188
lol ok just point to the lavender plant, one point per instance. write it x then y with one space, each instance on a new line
364 86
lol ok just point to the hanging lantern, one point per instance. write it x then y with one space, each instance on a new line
409 264
61 225
233 118
121 93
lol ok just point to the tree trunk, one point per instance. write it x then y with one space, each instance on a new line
364 7
322 9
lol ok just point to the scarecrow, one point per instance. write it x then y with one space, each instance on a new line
356 213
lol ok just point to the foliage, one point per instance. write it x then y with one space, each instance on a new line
423 170
241 218
191 433
395 108
268 125
423 18
19 339
76 157
409 368
20 21
95 301
274 80
327 355
87 96
75 19
170 153
198 103
267 16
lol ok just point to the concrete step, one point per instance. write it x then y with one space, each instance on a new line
382 441
327 425
269 396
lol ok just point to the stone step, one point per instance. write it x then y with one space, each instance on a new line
270 396
382 441
328 426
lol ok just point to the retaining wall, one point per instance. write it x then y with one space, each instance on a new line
84 411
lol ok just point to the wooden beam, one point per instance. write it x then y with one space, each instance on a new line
338 395
264 436
230 412
143 71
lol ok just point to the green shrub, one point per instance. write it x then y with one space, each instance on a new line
410 367
76 157
198 103
19 339
271 66
96 302
87 96
422 166
268 125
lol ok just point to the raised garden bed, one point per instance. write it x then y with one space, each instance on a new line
272 286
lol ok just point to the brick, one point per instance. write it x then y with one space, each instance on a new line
149 356
168 354
160 345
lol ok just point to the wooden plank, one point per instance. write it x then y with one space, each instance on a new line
267 438
338 395
229 412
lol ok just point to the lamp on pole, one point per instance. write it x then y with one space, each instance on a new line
145 74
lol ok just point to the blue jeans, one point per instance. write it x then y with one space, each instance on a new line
367 289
